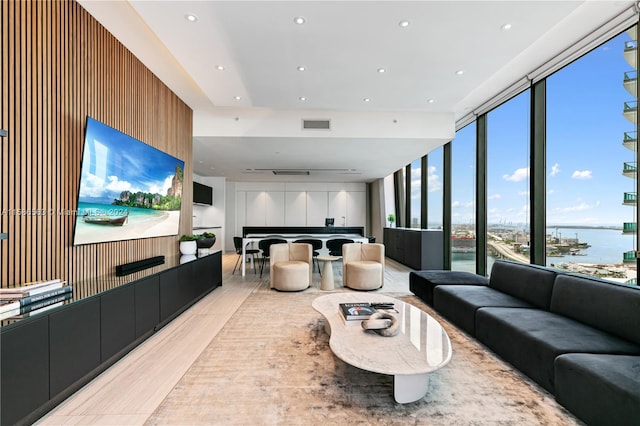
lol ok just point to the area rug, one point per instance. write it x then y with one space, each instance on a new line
271 365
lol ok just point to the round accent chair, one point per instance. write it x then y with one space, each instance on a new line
290 266
363 266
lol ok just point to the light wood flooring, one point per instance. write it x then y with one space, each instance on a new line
129 391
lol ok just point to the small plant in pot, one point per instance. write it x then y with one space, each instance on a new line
391 218
188 244
206 240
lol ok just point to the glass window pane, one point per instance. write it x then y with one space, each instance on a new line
591 162
435 163
463 200
389 200
416 186
508 180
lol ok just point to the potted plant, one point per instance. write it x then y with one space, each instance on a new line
188 244
391 218
206 240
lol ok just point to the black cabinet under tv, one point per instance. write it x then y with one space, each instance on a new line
47 357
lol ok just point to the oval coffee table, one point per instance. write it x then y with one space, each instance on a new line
421 347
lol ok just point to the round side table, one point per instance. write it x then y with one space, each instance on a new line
327 283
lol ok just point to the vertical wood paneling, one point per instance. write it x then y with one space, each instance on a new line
58 66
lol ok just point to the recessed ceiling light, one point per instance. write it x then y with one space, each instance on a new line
301 68
237 98
220 68
506 27
381 70
299 20
459 72
404 24
190 17
302 98
367 99
431 101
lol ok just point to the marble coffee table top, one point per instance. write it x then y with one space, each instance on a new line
421 346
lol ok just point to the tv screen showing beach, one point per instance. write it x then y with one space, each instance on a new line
128 189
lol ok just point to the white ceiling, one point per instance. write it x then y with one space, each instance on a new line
342 45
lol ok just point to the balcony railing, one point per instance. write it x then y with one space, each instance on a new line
630 106
630 52
630 111
629 82
629 257
629 227
630 45
629 169
630 198
629 140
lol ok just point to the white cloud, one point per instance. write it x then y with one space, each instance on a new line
92 186
494 197
555 169
581 174
517 176
433 180
460 204
582 206
118 185
523 193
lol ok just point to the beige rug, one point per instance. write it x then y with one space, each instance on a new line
271 365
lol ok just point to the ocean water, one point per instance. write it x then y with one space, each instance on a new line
136 215
607 247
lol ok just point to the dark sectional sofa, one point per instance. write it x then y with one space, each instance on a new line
576 336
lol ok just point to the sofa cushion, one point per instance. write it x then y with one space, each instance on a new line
531 283
531 339
611 307
422 283
458 303
599 389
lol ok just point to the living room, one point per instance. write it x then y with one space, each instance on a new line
61 65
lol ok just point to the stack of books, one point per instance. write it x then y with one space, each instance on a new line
21 301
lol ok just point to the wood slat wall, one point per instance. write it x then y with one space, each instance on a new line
58 66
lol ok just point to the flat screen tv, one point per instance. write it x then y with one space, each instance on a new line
128 189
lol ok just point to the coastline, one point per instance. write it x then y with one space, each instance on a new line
618 272
164 225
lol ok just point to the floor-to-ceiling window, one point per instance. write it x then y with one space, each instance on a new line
434 188
508 134
463 182
416 191
591 162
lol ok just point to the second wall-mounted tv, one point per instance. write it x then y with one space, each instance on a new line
128 189
202 194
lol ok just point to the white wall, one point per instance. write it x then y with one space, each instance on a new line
212 217
293 204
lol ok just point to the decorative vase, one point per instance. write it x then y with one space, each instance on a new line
205 243
188 247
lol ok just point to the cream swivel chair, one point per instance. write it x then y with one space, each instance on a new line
290 266
363 266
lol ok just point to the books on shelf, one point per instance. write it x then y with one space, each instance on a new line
27 300
36 307
30 289
9 305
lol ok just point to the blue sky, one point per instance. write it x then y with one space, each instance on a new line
114 162
585 156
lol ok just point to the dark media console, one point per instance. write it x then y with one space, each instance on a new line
47 357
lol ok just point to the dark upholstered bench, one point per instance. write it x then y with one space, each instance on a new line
422 283
600 389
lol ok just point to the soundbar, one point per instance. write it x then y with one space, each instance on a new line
130 268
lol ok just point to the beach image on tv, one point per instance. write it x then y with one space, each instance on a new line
128 189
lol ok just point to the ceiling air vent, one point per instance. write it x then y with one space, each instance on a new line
316 124
291 172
